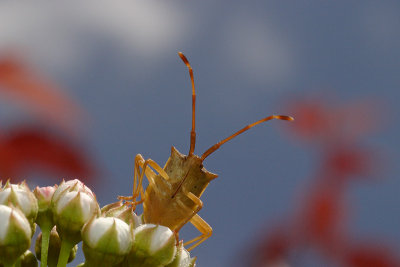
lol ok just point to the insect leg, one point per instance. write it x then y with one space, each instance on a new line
157 167
138 159
149 172
201 225
196 200
137 185
138 182
204 228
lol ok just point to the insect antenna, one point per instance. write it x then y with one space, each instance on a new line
220 143
193 132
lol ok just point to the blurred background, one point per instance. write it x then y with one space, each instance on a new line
85 86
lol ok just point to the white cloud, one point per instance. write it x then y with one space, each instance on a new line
62 34
258 51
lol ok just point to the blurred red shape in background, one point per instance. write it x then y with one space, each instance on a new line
27 149
348 160
318 120
321 217
368 255
23 150
23 86
272 248
312 119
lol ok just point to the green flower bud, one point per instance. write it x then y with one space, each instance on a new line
106 241
28 259
15 234
123 212
71 211
153 245
44 196
20 196
54 248
182 258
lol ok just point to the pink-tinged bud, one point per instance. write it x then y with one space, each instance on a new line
71 210
15 234
123 212
44 196
106 241
182 258
20 196
153 245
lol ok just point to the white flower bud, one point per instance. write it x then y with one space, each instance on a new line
123 212
15 234
153 245
107 208
20 196
71 211
71 185
182 258
106 241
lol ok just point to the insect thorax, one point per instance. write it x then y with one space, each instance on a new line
168 203
187 173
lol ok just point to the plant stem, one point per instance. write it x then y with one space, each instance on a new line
45 246
9 264
66 247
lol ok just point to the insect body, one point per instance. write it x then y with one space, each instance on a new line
172 197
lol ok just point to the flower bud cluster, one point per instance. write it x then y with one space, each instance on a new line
69 213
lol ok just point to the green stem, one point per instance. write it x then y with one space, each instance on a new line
45 246
9 264
66 247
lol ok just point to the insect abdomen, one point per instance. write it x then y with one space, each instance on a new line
161 208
